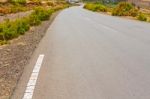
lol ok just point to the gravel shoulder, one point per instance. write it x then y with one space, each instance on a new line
15 56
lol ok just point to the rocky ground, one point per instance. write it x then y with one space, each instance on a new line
15 56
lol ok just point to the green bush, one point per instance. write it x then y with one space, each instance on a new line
125 9
9 30
50 3
40 14
142 17
99 7
34 20
148 19
2 35
19 1
12 29
95 7
22 25
3 42
134 12
18 8
89 6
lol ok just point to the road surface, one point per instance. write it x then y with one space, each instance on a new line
88 55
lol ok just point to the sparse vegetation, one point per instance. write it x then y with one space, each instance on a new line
125 9
18 1
95 7
12 29
13 8
39 15
142 17
120 9
18 8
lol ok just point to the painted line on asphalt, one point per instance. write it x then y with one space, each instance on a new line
33 79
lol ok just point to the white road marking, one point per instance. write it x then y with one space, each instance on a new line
34 76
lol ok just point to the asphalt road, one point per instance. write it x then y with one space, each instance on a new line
92 56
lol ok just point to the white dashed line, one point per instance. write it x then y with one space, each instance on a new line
34 76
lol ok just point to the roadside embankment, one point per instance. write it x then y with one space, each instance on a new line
16 54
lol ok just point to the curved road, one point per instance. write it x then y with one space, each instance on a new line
89 55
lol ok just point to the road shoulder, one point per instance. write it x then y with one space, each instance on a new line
15 58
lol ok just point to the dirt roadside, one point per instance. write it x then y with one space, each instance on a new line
15 56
